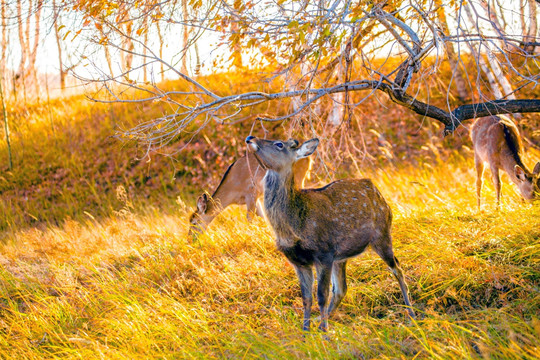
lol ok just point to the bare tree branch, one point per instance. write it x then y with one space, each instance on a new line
392 48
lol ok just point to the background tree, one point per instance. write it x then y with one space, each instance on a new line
27 18
394 47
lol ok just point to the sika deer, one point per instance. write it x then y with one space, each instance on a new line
496 141
323 227
241 184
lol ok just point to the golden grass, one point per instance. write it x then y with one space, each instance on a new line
131 286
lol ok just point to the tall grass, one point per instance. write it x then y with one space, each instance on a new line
132 286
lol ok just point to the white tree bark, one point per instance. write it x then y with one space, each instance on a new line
22 40
185 38
4 43
56 14
33 54
337 113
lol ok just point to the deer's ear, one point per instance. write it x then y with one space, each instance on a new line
520 173
307 148
202 203
536 170
293 143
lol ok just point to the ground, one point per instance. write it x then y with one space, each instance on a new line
132 285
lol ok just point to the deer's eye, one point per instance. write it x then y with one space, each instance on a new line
279 145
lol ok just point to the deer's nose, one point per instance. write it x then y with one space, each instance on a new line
249 138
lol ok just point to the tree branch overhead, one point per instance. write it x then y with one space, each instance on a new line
390 47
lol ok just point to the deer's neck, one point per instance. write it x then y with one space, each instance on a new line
508 163
278 188
282 203
220 200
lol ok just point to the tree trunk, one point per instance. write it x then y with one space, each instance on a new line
457 72
160 36
501 78
500 14
185 38
4 44
6 123
493 72
56 13
33 53
533 28
145 44
107 52
337 112
528 31
198 60
24 47
500 29
129 46
497 94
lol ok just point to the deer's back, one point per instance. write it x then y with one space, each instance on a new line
242 178
496 139
355 199
341 219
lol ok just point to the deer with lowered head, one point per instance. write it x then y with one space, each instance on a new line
496 141
241 184
323 227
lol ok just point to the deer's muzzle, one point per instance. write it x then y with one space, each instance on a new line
252 145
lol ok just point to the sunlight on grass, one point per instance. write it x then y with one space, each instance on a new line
133 286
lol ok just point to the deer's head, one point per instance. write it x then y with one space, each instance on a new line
200 218
278 155
528 184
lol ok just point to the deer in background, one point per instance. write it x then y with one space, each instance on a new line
323 227
496 141
241 184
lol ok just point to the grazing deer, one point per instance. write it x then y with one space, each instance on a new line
241 184
496 141
323 227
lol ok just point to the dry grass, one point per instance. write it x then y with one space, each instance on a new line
132 286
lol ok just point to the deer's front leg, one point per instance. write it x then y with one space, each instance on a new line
259 208
479 164
305 275
496 183
324 273
251 205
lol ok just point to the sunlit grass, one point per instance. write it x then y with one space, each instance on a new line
131 285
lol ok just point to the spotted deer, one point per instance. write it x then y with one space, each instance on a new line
496 141
323 227
241 184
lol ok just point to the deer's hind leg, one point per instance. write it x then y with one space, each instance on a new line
383 248
479 164
339 284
